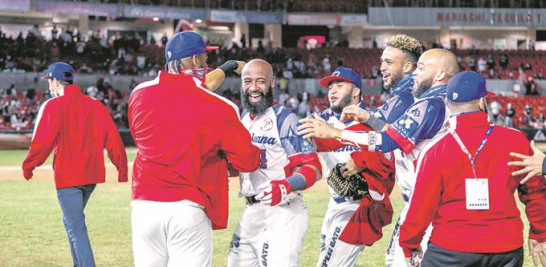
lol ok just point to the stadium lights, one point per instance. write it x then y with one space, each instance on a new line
198 21
156 19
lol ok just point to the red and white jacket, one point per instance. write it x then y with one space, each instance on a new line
77 128
440 197
185 136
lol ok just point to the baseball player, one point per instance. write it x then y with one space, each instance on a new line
344 88
409 133
185 137
398 61
77 128
271 229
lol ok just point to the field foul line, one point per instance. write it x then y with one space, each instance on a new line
46 167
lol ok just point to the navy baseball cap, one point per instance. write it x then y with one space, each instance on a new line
466 86
343 74
60 71
186 44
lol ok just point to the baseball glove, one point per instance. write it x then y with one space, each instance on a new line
354 187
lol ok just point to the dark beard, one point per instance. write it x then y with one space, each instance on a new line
395 78
260 107
420 88
345 101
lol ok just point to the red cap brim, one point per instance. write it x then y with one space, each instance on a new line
489 93
208 48
325 82
44 78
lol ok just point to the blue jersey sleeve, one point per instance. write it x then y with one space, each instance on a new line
287 124
421 121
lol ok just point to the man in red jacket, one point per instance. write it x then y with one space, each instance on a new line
185 137
77 128
475 218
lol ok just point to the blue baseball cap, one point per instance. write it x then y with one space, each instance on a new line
342 74
186 44
60 71
466 86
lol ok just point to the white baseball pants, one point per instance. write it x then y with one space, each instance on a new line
334 252
170 234
269 236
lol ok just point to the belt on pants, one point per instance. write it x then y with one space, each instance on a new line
251 200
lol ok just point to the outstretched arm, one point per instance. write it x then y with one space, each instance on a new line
216 77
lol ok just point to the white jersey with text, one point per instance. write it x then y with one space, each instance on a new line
275 133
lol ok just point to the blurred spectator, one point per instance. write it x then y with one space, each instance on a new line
287 73
503 61
531 87
375 72
527 121
490 62
496 117
471 63
326 66
164 39
243 41
481 65
54 33
539 123
510 113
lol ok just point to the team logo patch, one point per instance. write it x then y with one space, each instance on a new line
385 106
415 112
406 123
455 95
335 73
406 126
169 54
267 125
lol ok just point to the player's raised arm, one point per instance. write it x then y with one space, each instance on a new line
215 78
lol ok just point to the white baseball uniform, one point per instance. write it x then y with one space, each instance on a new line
271 235
334 252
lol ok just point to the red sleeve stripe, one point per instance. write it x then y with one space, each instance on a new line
405 145
310 167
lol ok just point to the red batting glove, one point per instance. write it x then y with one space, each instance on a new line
27 174
275 193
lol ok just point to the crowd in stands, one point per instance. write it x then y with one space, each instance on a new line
19 108
131 55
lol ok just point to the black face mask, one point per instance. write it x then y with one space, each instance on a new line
260 107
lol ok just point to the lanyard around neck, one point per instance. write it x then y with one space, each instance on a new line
480 147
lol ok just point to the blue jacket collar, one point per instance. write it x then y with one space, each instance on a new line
437 91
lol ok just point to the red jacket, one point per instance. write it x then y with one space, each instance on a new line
77 128
366 225
184 134
439 195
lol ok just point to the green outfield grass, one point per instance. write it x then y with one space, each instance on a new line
31 231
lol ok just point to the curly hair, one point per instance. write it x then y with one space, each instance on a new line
409 45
